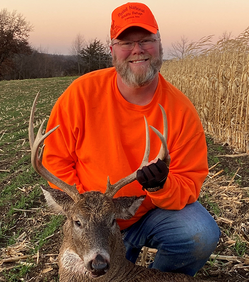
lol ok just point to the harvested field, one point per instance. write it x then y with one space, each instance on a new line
30 234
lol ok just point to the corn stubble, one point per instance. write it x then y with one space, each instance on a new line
216 80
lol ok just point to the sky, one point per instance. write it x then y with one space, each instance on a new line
57 23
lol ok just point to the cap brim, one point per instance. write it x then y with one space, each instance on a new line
147 27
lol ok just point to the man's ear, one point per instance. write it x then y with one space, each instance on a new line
126 207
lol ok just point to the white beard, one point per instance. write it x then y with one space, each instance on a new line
137 79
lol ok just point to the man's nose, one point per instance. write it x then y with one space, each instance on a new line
137 48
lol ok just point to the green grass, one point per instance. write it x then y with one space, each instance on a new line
42 237
213 207
19 271
19 183
16 98
240 247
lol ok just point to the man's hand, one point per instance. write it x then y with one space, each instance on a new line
153 176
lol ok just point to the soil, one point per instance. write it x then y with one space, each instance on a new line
224 194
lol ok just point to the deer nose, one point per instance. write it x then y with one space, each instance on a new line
98 266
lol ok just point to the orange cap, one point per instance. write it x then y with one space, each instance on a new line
132 14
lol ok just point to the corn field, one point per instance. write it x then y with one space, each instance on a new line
217 82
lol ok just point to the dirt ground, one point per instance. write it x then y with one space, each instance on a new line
224 194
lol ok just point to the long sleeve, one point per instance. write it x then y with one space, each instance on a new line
59 153
101 134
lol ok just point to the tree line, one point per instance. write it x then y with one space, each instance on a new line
18 60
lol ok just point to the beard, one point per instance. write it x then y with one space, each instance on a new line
145 76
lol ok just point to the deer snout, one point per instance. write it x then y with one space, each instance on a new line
98 266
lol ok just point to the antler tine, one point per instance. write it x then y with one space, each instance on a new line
111 190
31 122
36 160
163 153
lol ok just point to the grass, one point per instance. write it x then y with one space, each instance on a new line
17 272
213 206
19 183
240 247
42 237
23 217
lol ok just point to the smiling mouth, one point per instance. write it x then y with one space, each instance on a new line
138 61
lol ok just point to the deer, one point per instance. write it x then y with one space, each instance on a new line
92 249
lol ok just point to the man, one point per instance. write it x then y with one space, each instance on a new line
102 133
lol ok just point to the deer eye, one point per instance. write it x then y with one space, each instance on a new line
77 223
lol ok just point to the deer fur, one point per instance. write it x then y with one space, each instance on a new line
92 236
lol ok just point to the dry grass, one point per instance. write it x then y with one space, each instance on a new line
227 202
217 82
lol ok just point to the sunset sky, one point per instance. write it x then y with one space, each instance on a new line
57 22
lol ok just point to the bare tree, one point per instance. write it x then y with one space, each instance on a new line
107 44
226 36
183 48
77 45
14 34
178 49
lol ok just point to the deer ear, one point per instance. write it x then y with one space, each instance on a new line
126 207
58 200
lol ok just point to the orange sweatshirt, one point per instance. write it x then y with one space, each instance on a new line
102 134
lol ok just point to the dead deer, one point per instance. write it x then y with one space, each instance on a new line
92 248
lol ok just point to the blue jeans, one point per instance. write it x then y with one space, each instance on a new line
184 239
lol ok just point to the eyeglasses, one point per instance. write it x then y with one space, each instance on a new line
129 45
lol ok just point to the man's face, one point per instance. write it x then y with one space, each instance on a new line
139 66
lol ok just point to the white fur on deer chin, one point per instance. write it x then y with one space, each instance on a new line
73 263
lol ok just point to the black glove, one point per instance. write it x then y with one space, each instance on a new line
153 176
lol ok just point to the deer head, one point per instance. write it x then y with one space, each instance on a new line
91 231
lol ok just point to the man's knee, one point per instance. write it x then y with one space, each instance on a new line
201 235
193 230
203 244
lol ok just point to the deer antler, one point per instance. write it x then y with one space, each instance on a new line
111 190
163 153
36 160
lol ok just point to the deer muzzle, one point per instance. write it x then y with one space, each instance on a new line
98 266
